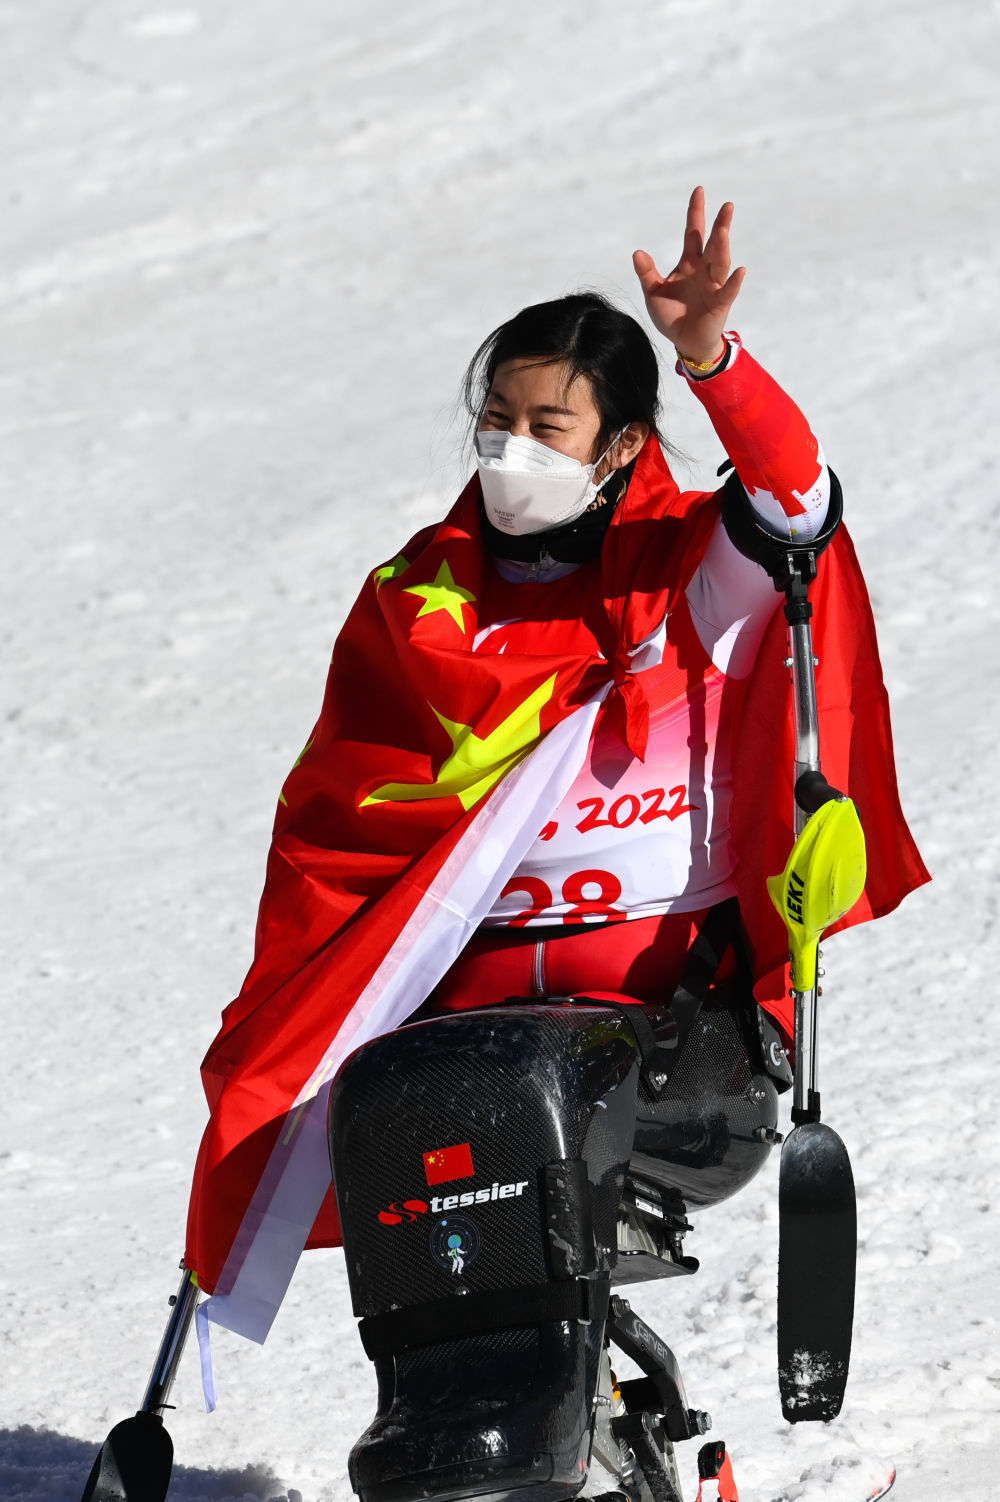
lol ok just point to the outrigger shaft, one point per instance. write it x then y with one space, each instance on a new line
161 1378
798 612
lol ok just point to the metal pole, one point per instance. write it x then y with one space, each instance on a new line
803 666
806 711
161 1379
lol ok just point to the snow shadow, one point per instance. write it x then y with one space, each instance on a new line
39 1465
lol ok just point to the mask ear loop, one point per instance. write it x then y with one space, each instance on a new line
597 462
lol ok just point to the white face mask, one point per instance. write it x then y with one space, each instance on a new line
528 487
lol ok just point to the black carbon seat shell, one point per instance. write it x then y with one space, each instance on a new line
524 1087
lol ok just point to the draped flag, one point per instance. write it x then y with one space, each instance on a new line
413 802
427 778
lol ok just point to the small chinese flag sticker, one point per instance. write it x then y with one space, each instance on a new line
446 1163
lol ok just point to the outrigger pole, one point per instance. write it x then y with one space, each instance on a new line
136 1459
824 877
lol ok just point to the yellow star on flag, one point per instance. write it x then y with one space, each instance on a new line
443 594
392 570
476 762
298 763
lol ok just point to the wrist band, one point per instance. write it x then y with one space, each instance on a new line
700 366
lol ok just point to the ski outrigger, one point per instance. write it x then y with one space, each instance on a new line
553 1152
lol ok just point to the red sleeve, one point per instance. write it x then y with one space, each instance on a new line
764 433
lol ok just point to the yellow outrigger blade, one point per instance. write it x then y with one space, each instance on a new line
823 879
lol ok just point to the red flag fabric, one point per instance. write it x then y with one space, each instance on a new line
427 777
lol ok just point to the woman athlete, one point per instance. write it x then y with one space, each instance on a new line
554 741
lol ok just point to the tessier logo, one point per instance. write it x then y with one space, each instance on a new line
408 1210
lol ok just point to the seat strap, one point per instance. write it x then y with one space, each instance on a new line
655 1056
462 1316
720 927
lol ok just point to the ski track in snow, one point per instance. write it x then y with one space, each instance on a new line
247 250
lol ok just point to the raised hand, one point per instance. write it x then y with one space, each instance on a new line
691 305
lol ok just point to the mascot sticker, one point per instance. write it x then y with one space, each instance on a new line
456 1243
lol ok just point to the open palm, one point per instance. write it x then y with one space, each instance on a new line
690 306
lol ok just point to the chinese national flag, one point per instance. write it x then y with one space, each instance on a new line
446 1163
428 708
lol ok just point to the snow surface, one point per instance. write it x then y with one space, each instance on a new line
247 250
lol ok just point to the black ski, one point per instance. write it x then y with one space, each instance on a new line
134 1463
817 1255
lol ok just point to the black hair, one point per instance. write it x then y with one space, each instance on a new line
594 339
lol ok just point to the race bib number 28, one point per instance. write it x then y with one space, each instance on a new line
599 905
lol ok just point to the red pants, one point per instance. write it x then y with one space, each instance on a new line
641 959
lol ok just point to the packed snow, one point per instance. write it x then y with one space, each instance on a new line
247 250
